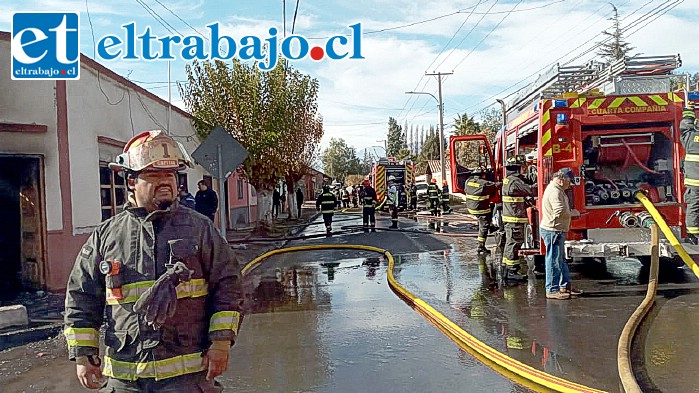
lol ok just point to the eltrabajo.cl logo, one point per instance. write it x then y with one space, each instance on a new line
45 45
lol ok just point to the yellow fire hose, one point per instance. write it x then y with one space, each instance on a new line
510 368
628 380
668 233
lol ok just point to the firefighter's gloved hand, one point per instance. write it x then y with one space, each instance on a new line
159 302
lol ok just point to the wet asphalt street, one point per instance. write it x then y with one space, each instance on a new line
327 321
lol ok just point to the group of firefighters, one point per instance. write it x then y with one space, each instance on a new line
518 191
328 201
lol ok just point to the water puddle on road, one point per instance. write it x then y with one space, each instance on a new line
334 325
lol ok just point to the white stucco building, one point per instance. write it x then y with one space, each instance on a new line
56 138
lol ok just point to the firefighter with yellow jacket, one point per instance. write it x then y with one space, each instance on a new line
165 279
515 191
690 141
479 193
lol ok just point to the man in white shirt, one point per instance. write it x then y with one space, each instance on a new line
554 226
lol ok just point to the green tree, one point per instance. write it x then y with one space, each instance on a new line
491 123
340 160
395 138
614 47
272 114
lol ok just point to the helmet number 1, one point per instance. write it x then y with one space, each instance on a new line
166 154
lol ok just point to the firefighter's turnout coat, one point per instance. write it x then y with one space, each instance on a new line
209 306
478 194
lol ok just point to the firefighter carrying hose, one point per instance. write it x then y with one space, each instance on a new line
326 205
433 197
368 196
166 280
690 141
479 192
515 191
393 201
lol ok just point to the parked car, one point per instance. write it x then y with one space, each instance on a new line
421 191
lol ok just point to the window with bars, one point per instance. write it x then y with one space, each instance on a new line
112 191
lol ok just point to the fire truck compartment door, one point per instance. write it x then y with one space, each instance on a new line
468 152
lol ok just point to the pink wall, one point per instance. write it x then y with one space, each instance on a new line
233 198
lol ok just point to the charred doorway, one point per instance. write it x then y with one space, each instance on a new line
22 229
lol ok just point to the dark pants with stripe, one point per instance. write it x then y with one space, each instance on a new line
413 202
368 216
483 228
328 220
445 205
691 197
394 215
188 383
434 206
514 233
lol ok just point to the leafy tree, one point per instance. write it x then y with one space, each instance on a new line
491 123
395 138
272 114
430 149
614 47
340 160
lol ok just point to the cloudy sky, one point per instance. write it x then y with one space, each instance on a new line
493 47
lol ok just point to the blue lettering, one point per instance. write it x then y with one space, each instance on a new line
102 47
286 47
357 41
271 51
166 41
252 50
215 46
145 43
130 41
194 50
330 48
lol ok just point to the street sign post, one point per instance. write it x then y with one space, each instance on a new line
220 154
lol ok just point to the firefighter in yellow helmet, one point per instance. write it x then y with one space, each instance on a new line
165 279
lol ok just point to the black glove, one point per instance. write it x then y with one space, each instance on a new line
159 302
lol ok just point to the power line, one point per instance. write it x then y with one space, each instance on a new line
455 33
296 11
487 35
468 34
182 20
158 18
641 18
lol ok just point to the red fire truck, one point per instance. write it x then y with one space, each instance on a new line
402 171
618 130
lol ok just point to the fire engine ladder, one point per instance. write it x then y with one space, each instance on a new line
583 79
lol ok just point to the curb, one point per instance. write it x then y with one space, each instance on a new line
16 338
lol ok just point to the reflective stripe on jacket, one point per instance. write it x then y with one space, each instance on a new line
433 191
368 196
514 193
690 141
209 306
478 194
326 202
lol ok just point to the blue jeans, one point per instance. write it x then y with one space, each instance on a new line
557 275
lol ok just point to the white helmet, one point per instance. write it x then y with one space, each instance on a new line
391 178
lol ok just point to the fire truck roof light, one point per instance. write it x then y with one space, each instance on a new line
560 103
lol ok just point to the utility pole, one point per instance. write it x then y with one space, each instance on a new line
385 145
441 120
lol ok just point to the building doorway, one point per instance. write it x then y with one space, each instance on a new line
22 233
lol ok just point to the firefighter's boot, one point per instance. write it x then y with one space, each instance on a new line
481 250
514 273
